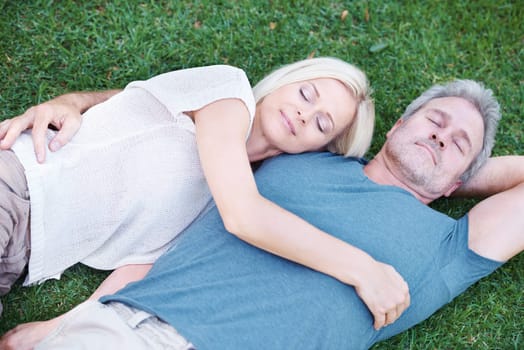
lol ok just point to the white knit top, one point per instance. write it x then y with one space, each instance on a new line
130 180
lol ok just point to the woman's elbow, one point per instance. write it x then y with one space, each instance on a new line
242 219
237 226
232 225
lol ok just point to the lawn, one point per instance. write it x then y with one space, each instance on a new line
51 47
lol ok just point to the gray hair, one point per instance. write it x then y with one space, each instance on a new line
356 138
483 100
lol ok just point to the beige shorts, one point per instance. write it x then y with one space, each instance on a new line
93 325
14 220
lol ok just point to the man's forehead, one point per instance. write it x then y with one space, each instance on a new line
455 109
453 106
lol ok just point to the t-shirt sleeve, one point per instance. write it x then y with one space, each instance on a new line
464 267
193 88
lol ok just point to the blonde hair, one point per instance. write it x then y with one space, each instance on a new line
356 138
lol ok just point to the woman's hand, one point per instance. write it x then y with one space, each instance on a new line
384 292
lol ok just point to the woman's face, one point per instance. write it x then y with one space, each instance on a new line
305 116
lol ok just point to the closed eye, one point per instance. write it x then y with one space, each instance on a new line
306 95
320 125
324 124
459 147
309 92
433 121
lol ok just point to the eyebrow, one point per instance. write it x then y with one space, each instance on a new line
448 117
314 88
318 96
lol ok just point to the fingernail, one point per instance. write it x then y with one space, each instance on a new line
40 157
54 146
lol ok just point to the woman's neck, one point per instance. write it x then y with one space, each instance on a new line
258 148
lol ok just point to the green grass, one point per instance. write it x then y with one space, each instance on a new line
51 47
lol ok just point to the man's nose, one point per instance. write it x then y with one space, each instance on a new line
439 140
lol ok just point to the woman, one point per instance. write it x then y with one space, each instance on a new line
135 174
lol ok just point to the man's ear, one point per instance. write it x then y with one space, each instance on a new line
453 188
394 127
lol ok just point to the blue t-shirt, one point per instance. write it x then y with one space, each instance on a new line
221 293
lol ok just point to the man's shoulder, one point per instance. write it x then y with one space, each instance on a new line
314 159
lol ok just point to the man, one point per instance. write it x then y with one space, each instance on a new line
213 291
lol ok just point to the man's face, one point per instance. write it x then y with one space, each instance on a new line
432 149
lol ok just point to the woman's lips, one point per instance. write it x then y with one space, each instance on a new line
288 123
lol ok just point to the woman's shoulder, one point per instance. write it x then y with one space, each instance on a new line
211 71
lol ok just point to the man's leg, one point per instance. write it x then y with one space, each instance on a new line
93 325
14 221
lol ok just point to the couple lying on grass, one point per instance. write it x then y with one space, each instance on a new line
351 253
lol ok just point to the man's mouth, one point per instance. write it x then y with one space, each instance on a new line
429 149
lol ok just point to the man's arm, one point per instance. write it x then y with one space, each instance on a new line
119 278
497 175
63 113
496 224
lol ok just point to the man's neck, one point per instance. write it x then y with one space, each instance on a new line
378 171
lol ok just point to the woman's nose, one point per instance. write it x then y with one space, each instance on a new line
303 117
